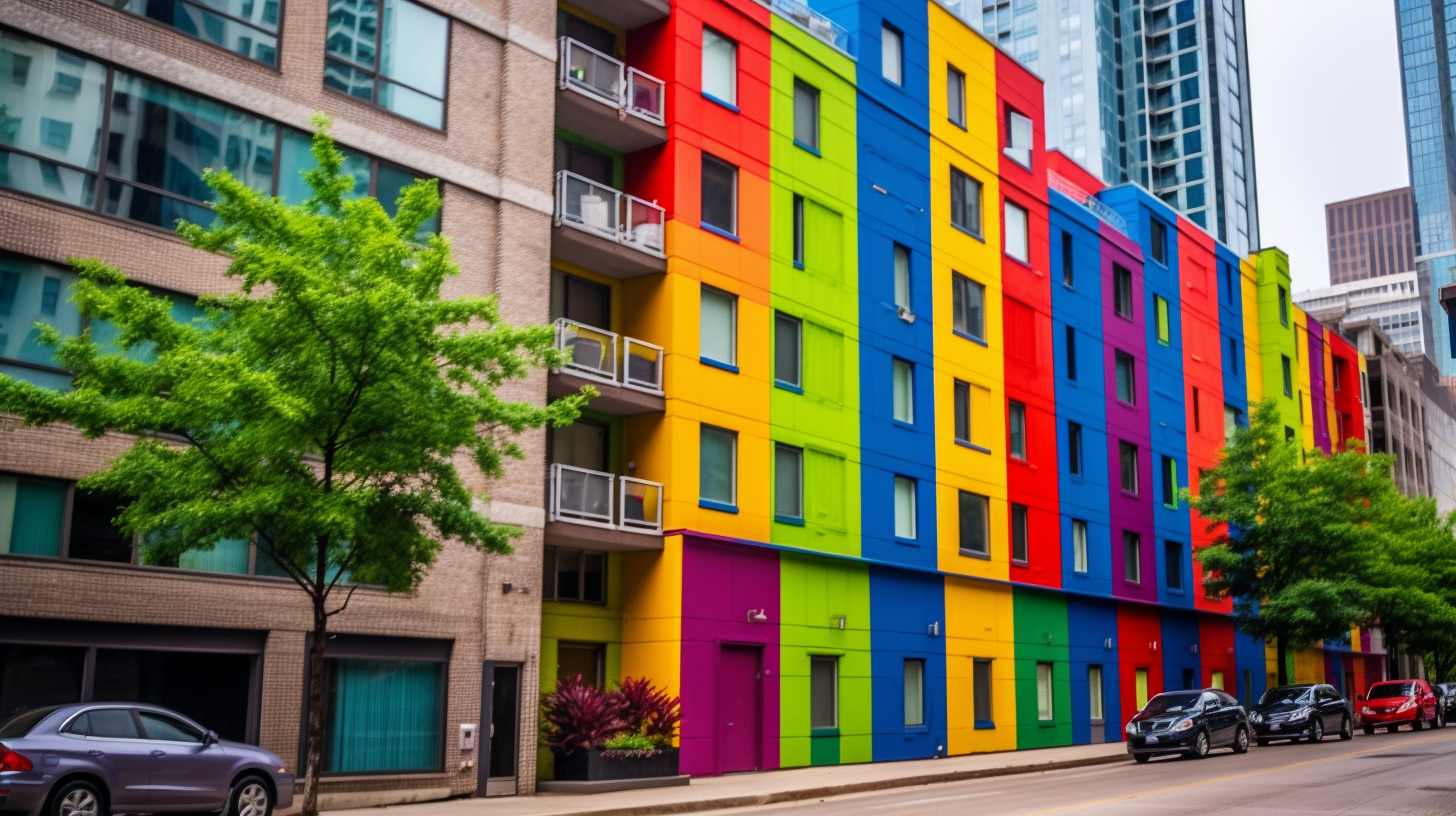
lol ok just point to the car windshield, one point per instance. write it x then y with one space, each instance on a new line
1291 694
1387 690
20 725
1172 703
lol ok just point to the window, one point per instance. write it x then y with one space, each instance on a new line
1122 291
1018 138
892 54
968 306
902 276
392 54
981 692
1128 457
720 68
383 716
1233 356
1044 691
1284 308
251 30
1020 548
161 728
94 534
806 115
788 482
1068 259
1173 565
955 96
1071 354
902 374
372 177
1016 240
914 693
1158 240
963 412
823 691
788 350
904 507
1230 421
965 202
1132 557
799 231
575 575
1079 546
32 513
720 195
975 523
1140 687
1170 482
1288 372
717 467
582 661
1074 448
1197 413
719 341
1160 310
1094 692
1016 428
1126 377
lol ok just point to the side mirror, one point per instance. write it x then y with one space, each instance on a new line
210 738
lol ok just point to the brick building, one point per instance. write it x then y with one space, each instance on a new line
441 88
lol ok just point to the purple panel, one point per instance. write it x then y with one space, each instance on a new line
1317 402
721 583
1128 423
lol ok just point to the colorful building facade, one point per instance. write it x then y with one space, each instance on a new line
899 408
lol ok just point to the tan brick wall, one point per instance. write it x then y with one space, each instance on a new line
495 161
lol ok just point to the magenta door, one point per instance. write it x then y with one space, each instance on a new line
740 709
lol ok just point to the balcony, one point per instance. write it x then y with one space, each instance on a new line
598 96
626 14
812 21
630 383
606 230
601 511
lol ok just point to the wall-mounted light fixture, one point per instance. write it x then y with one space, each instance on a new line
1107 644
757 616
839 619
507 588
935 629
1195 648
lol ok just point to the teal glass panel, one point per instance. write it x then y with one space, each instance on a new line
296 158
31 293
230 555
33 524
392 181
384 715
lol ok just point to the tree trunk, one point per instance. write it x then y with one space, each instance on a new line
1282 651
314 737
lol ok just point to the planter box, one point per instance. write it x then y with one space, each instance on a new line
591 766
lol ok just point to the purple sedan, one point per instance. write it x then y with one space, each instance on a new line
94 759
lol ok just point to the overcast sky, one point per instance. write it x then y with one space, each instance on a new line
1327 117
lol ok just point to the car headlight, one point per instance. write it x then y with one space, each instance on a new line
1183 724
1131 728
1299 713
1407 705
1258 718
1367 710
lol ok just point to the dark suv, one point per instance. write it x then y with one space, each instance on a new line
1306 711
1190 723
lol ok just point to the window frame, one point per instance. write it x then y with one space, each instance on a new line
1122 292
798 235
889 33
1069 271
914 490
1157 241
983 685
782 320
731 104
1020 534
1011 150
1173 566
796 518
1096 691
1045 692
965 184
1071 344
1287 372
1009 208
902 273
550 583
833 662
1162 319
1168 474
1126 476
985 504
813 95
709 158
1080 556
1121 359
955 96
732 435
1075 463
377 76
442 703
961 287
1132 568
730 365
276 35
919 721
1016 441
899 367
961 411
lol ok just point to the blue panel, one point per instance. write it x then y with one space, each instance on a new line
1231 327
1091 624
903 606
1182 667
1251 663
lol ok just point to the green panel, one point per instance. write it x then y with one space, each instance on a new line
814 593
1275 339
1042 637
824 419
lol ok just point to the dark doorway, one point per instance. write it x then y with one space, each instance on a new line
740 709
505 714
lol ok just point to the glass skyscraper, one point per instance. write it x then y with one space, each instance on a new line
1154 92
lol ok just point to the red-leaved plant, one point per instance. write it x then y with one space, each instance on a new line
648 711
577 716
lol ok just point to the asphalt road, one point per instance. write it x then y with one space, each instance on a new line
1404 773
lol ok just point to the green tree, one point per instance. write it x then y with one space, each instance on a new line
1302 530
321 409
1413 584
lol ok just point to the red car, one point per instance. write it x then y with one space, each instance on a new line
1393 703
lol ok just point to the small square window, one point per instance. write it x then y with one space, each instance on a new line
968 306
720 195
1016 429
1017 245
1018 138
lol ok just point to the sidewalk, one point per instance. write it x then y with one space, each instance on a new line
769 787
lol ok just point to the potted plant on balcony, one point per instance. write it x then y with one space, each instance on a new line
599 735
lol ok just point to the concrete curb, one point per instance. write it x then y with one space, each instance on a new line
802 794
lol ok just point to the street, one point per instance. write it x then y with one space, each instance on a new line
1407 773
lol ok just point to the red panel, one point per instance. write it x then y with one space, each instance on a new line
1063 165
1216 651
1139 631
1349 404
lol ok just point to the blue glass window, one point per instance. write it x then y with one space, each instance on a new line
247 27
395 60
1192 143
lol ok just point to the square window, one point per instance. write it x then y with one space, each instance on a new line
974 523
904 507
1044 692
1132 557
1128 460
902 374
1015 233
955 96
914 693
1173 565
968 306
806 114
788 351
789 482
892 54
1074 448
1018 138
1079 546
962 411
717 466
823 691
720 195
575 575
719 330
1020 534
1126 377
1016 428
965 202
1122 291
720 67
902 276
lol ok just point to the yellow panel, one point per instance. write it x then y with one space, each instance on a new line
979 623
652 615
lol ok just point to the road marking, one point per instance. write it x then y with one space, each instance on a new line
897 805
1228 778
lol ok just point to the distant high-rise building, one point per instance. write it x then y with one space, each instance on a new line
1154 92
1392 302
1371 236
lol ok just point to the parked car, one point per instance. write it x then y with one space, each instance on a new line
1393 703
93 759
1190 723
1306 711
1447 693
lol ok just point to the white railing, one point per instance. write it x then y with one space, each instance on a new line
597 499
604 78
812 21
610 213
1068 188
592 353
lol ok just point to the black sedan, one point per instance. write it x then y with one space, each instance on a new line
1307 711
1190 723
1446 692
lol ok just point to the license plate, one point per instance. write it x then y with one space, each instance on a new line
1152 740
1274 727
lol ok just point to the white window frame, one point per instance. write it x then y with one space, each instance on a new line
1016 242
902 368
1017 126
910 520
732 325
732 463
733 71
892 54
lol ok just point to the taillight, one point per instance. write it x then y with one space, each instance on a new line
11 761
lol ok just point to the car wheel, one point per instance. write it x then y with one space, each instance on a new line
1263 743
1440 720
1141 759
1417 724
1368 729
1347 728
1317 730
250 797
1200 746
77 798
1241 741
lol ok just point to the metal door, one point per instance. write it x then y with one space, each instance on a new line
740 709
503 737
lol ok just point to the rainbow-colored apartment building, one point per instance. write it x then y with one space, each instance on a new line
896 404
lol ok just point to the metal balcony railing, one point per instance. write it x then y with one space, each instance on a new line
592 353
610 213
604 78
597 499
812 21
